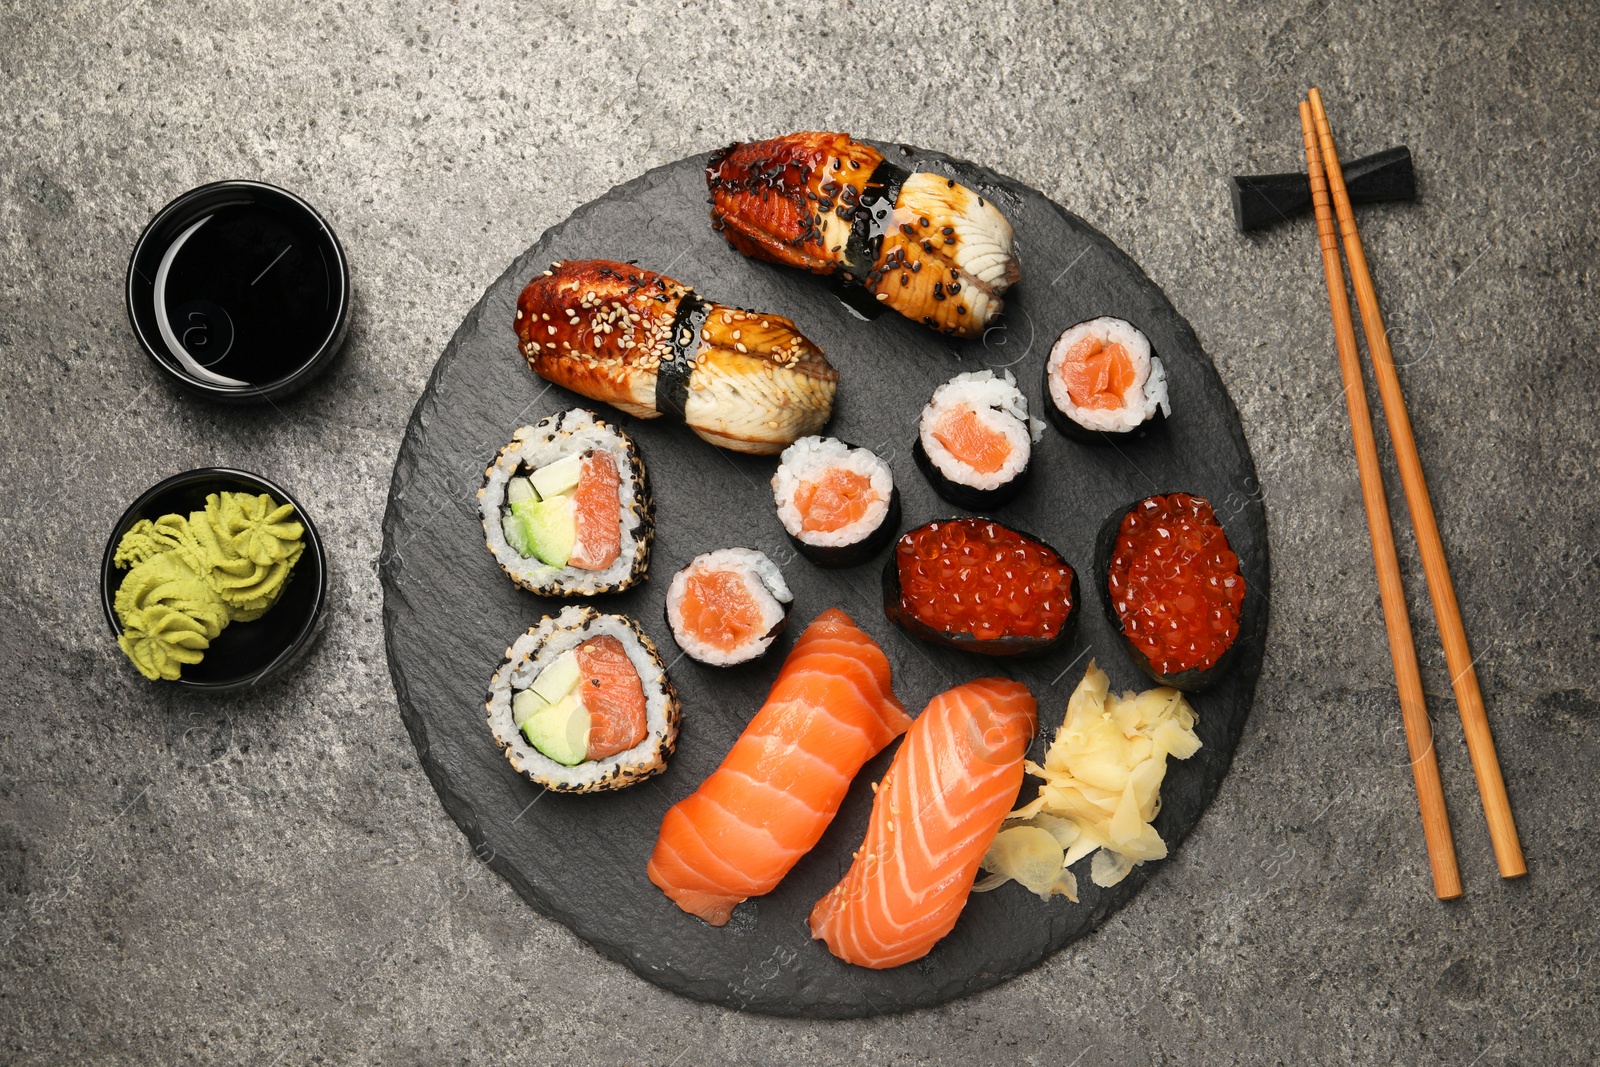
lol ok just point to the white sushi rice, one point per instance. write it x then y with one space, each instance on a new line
1146 393
552 438
1000 406
807 460
541 646
764 582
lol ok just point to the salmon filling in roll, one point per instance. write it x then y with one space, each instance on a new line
728 606
838 503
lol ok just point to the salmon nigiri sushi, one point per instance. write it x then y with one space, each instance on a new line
952 783
780 786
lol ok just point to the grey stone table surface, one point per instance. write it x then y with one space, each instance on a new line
270 879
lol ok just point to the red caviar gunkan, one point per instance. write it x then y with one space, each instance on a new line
1174 583
979 578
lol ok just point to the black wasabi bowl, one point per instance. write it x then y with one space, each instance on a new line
895 609
245 654
1189 681
239 292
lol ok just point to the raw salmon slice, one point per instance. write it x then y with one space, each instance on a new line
837 499
719 609
735 837
1097 374
612 694
951 784
599 511
971 440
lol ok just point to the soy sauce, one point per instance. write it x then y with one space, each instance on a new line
250 293
239 288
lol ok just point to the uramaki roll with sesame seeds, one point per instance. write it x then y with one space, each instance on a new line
566 507
918 242
582 703
650 346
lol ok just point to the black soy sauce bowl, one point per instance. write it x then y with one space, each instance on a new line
245 654
244 280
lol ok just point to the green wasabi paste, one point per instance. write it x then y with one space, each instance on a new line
190 577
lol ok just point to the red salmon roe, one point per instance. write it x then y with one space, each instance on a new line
975 576
1175 583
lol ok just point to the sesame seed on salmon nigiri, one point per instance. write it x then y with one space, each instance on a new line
777 790
951 785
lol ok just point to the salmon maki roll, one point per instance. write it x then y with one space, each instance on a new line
915 241
951 785
728 606
780 786
975 439
838 503
1104 381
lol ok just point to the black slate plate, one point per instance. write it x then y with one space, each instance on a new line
449 613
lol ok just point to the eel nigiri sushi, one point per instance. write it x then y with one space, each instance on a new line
926 246
644 343
736 836
951 785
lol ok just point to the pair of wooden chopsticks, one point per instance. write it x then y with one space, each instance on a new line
1322 163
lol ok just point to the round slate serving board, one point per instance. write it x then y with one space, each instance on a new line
449 612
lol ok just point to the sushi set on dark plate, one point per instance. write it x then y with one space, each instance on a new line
733 619
745 657
735 629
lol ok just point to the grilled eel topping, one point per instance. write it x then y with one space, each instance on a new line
646 344
930 248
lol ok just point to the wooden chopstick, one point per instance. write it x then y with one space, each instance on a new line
1413 706
1457 653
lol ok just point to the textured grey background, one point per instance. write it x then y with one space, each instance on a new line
272 880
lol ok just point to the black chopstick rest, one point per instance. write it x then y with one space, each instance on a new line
1262 199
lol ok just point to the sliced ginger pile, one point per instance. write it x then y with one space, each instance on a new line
1101 788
